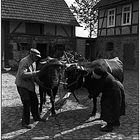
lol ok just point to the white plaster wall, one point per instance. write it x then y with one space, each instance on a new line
119 10
103 32
134 29
118 20
102 13
110 31
125 30
136 5
100 22
118 31
135 18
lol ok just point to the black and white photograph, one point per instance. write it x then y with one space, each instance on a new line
69 69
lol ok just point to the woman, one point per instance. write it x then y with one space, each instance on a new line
111 100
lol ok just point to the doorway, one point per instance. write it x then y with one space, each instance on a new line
43 50
90 49
129 56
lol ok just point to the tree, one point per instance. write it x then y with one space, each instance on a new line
86 14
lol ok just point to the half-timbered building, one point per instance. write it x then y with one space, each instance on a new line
47 25
118 31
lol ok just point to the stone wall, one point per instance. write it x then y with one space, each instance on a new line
124 47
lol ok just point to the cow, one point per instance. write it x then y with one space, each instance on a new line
48 79
78 77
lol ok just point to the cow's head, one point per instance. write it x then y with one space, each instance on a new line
78 77
74 75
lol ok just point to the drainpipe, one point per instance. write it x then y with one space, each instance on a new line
3 64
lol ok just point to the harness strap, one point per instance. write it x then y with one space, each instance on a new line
108 65
74 81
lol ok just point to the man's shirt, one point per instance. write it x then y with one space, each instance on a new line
24 74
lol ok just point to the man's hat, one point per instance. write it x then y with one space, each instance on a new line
35 51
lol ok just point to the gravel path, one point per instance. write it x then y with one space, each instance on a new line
72 120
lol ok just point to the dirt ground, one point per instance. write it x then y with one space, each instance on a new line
11 109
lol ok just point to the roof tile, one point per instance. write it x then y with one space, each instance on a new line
51 11
102 3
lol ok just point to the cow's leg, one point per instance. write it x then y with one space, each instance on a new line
41 92
53 105
75 96
53 95
94 106
52 99
44 97
122 102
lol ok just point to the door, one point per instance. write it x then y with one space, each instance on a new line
129 56
90 50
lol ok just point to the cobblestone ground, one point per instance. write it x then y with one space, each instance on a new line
72 120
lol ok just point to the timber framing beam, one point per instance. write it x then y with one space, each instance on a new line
65 30
14 30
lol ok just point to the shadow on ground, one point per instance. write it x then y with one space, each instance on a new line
71 124
65 125
11 118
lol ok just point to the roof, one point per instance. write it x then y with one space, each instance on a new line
103 3
50 11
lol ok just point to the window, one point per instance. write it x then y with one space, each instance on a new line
109 46
126 15
111 18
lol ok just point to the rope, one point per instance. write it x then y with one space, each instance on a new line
75 82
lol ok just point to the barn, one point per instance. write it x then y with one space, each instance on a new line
47 25
118 31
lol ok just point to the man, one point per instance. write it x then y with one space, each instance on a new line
111 100
26 87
